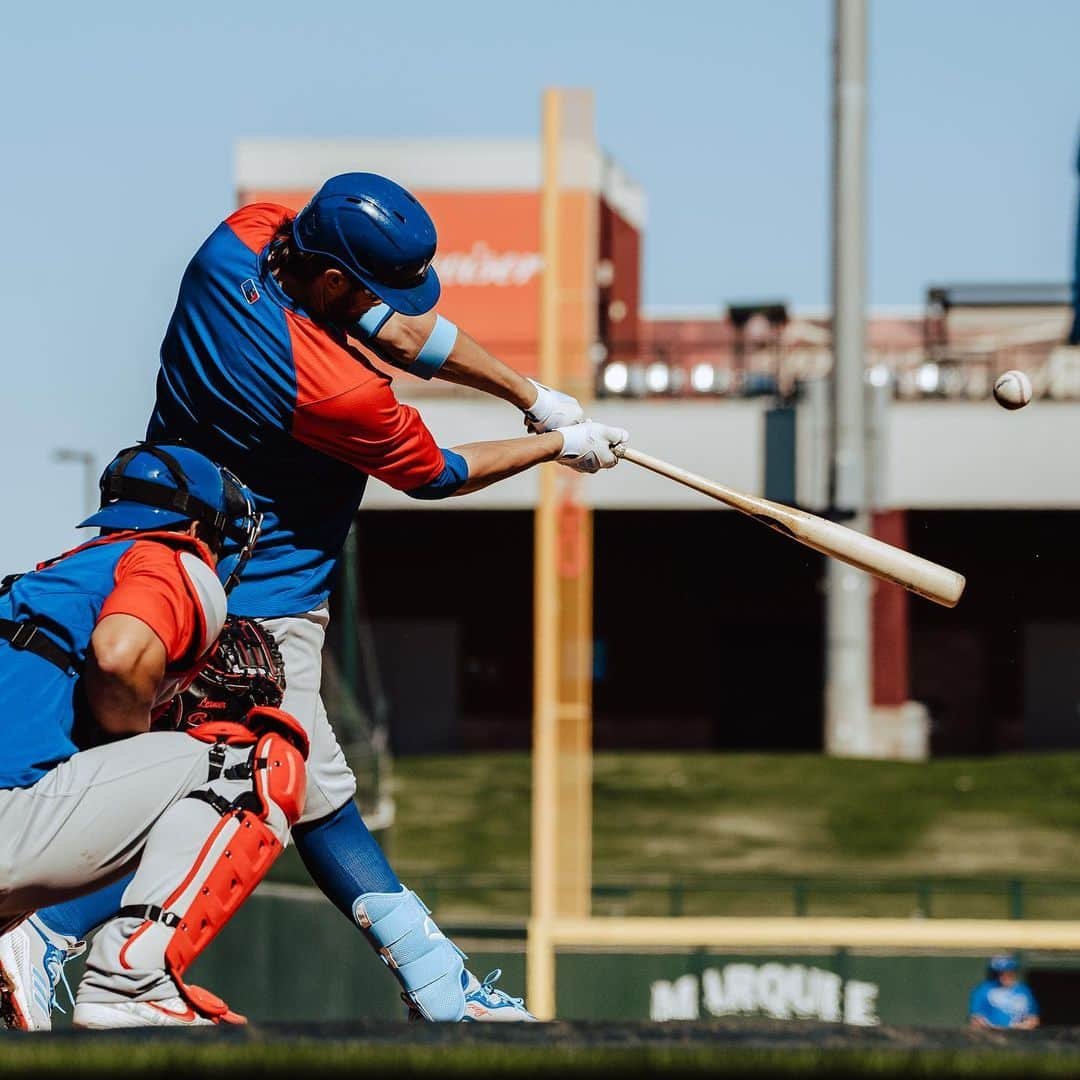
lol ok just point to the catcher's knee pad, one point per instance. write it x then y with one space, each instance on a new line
278 774
428 965
275 767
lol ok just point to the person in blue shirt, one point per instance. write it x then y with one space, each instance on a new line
1001 1000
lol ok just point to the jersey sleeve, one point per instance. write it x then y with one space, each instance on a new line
455 473
256 223
151 585
367 427
347 410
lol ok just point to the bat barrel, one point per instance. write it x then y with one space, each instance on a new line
921 576
927 579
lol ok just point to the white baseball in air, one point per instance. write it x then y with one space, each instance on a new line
1012 390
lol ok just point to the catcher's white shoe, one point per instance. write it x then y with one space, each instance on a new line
32 959
169 1012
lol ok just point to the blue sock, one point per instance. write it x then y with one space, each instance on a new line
343 858
80 916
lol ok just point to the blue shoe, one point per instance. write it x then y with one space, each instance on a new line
484 1003
32 959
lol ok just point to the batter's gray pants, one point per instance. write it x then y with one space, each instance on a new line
330 781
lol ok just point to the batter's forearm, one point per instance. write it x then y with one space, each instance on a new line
490 462
470 364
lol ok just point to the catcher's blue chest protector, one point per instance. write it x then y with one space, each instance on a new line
39 699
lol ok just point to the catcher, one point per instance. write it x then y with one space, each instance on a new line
241 682
232 702
93 644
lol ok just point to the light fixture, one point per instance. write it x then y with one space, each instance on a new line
953 381
616 378
703 378
879 375
928 378
657 377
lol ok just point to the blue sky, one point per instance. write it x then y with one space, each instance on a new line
121 117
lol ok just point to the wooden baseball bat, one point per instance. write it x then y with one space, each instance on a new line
921 576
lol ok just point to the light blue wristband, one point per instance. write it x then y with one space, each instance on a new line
373 320
435 350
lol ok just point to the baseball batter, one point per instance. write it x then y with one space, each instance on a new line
92 643
261 369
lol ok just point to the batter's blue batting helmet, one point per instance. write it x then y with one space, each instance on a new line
377 232
999 964
156 485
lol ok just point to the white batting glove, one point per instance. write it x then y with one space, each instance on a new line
590 447
552 409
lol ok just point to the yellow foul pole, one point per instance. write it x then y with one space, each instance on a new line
562 681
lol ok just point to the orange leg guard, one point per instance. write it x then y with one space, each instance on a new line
233 860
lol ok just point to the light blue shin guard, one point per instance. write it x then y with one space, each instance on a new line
428 965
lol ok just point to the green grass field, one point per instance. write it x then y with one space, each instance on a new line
302 1057
862 834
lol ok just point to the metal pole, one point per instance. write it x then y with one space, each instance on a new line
92 496
350 664
848 626
85 458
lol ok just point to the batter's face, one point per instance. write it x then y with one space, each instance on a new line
342 300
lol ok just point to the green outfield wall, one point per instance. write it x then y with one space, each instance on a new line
289 955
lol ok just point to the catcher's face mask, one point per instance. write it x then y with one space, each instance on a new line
242 537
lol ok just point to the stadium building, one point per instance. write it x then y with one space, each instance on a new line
696 608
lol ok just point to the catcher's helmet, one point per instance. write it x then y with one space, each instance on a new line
377 232
156 485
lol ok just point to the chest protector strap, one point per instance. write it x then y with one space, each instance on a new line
27 636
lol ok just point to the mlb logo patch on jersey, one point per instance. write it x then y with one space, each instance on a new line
250 290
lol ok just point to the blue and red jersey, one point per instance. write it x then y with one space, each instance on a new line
168 584
297 412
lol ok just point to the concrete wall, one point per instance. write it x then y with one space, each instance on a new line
939 454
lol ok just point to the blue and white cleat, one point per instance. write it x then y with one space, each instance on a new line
32 959
485 1003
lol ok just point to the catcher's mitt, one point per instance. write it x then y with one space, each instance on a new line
243 670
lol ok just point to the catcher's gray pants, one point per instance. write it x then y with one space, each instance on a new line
100 814
85 822
330 781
